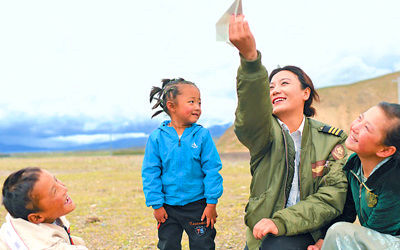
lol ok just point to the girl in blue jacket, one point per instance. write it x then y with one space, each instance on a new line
180 170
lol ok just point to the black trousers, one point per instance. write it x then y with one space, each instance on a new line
295 242
186 218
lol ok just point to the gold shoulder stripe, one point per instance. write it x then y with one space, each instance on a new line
331 130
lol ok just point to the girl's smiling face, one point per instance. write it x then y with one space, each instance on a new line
187 105
368 132
50 196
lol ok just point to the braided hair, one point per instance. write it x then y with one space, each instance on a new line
168 92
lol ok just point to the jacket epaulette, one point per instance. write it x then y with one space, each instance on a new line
331 130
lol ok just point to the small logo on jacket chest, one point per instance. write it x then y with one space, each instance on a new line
371 198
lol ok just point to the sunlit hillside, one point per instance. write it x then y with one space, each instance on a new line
339 105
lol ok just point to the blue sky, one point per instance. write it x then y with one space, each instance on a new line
75 70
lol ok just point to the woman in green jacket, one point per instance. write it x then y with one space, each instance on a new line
298 185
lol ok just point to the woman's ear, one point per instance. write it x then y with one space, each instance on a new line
306 93
35 218
386 151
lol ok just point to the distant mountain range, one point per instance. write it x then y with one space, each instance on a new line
140 142
338 107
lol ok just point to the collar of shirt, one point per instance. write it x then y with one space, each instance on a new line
300 129
361 172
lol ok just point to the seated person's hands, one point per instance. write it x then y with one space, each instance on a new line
264 227
317 246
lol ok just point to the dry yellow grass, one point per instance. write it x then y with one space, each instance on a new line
109 189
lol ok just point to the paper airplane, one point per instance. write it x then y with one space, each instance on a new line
222 26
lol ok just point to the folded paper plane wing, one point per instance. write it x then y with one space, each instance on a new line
222 26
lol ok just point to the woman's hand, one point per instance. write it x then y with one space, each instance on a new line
264 227
242 38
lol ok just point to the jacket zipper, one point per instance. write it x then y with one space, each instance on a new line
298 174
180 176
359 196
287 169
359 202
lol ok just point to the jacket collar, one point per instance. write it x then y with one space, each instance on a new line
354 163
164 126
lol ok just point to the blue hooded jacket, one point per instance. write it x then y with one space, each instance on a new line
177 171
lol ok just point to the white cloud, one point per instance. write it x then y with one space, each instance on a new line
397 66
349 69
97 138
99 59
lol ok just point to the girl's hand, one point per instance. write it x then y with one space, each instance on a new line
242 38
160 214
210 212
264 227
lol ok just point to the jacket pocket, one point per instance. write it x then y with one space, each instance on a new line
258 208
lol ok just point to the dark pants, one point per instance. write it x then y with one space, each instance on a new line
296 242
186 218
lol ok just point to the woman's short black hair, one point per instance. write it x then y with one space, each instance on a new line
306 82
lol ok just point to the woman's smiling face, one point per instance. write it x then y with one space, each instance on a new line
286 93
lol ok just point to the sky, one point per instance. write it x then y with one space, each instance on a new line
72 71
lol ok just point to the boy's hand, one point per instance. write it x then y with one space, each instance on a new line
317 246
210 212
160 214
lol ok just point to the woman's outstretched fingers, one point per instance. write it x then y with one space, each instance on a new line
242 38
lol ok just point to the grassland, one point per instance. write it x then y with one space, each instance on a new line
111 211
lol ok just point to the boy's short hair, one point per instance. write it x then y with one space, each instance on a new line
392 112
17 190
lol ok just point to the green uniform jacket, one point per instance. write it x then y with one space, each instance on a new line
376 201
323 184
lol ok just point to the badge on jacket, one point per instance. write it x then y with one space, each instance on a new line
318 168
371 198
338 152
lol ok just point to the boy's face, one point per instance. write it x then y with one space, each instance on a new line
368 132
51 198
